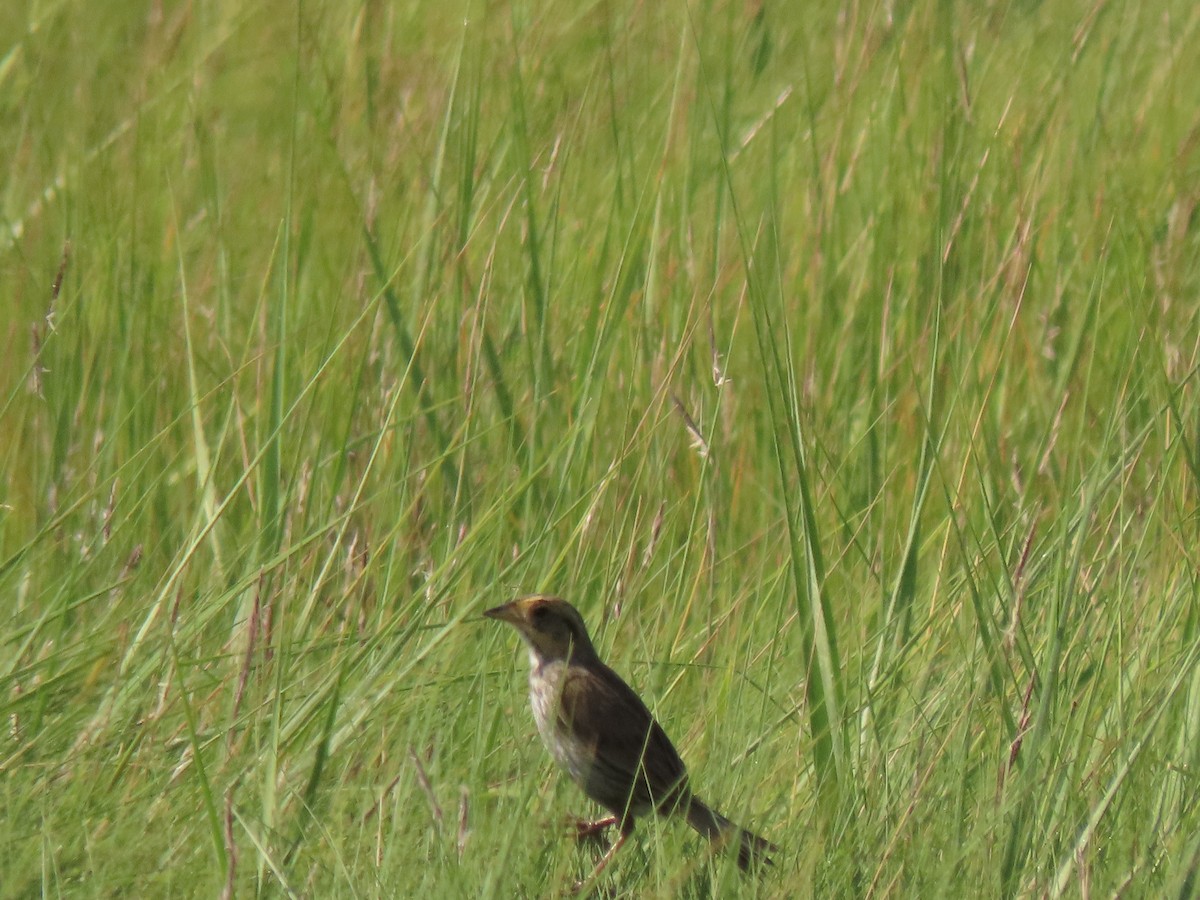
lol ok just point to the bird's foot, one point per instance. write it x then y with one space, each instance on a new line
583 830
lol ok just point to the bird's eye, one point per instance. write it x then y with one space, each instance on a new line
540 614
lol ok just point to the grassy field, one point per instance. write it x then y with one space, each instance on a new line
840 366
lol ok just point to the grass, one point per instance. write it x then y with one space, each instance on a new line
842 369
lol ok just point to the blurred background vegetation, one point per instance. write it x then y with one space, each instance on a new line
838 361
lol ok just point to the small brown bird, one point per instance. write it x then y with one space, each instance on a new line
602 734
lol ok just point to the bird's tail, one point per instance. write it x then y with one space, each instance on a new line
753 851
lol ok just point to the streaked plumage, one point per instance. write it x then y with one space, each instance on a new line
600 732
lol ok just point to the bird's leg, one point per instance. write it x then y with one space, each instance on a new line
582 829
612 851
587 883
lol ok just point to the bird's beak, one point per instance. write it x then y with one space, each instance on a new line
509 612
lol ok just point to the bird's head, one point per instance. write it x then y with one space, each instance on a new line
551 627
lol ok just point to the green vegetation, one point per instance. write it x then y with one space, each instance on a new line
839 364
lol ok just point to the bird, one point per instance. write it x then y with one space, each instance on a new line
601 734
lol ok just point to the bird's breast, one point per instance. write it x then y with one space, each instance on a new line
545 695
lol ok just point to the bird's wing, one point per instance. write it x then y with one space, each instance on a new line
629 746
